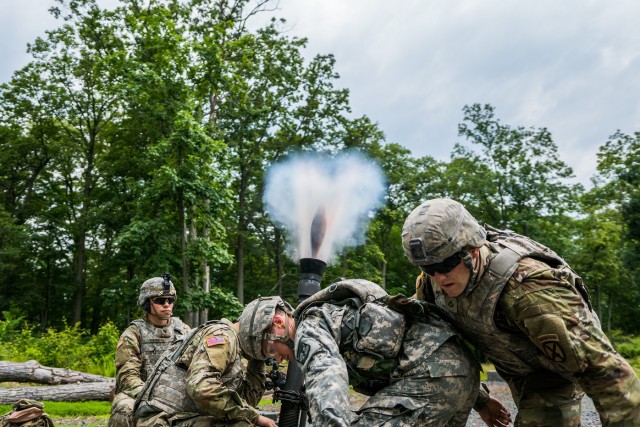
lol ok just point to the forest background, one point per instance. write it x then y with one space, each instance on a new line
137 141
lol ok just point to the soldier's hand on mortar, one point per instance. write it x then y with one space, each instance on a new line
265 422
495 414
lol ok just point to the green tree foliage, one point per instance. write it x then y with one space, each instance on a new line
119 158
65 99
518 179
137 139
616 202
274 103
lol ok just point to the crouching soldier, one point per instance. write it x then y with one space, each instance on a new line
203 381
414 368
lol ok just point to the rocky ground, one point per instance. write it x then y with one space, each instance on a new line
500 391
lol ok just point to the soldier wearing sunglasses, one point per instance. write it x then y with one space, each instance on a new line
142 343
520 304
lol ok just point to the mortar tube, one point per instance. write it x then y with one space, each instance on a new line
292 414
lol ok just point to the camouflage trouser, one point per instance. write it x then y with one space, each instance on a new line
122 411
160 420
546 399
424 398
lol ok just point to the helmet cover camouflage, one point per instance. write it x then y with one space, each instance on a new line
255 321
155 287
438 229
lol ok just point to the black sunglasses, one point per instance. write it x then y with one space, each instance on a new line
445 266
162 300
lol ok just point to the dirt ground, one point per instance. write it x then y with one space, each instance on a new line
498 389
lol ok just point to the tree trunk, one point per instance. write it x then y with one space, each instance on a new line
33 372
59 393
240 264
241 229
599 302
344 262
206 284
385 265
189 317
610 313
80 266
384 274
206 271
65 385
81 240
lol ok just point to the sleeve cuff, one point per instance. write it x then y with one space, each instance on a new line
483 397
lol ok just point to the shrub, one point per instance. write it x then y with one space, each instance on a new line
628 346
72 347
70 409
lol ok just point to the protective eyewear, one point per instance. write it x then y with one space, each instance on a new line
269 348
162 300
443 267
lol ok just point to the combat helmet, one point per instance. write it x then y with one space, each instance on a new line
255 324
438 229
155 287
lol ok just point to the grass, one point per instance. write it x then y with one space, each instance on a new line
71 409
486 367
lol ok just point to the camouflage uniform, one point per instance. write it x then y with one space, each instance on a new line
139 348
433 380
207 384
530 314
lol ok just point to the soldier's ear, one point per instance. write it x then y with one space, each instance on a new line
278 320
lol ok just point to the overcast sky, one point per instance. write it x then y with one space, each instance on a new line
572 66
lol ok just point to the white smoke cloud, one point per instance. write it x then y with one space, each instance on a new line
348 188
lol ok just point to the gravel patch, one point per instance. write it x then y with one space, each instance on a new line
500 391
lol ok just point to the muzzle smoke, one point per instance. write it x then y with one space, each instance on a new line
323 203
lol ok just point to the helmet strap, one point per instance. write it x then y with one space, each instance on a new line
468 261
288 341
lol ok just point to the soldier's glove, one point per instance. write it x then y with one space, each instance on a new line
410 306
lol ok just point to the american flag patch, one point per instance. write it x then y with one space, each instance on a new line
215 341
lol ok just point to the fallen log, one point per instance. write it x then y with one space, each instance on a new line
33 372
59 393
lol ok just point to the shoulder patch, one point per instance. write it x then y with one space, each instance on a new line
303 353
552 348
217 340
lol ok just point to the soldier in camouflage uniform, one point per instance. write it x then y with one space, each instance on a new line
141 345
203 382
527 310
416 372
